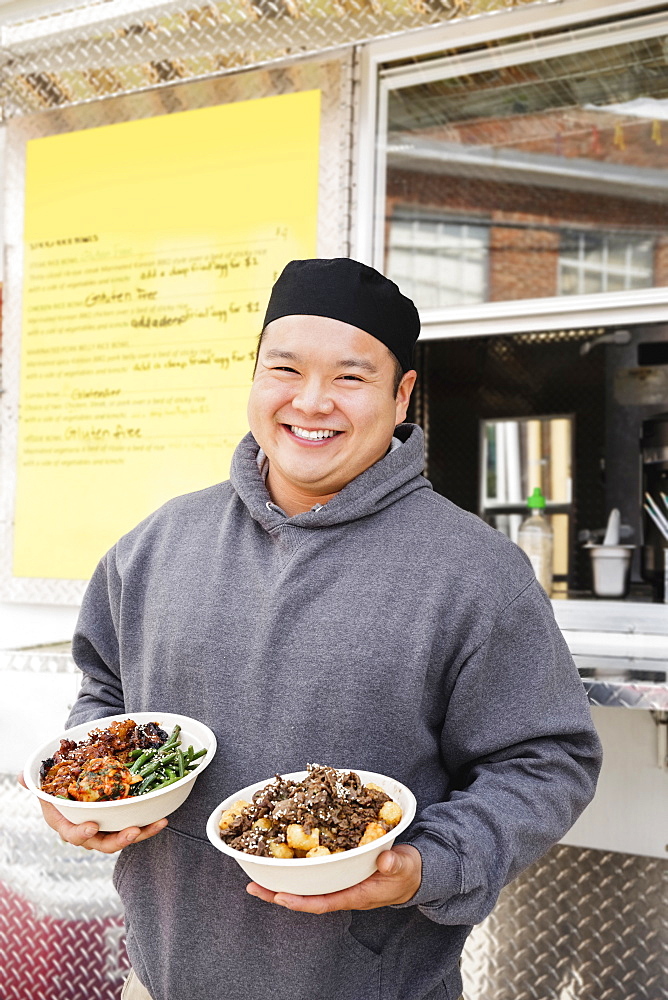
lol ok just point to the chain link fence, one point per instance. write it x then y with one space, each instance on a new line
85 53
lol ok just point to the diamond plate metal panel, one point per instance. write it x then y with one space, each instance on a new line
39 661
61 929
577 925
84 52
333 77
627 694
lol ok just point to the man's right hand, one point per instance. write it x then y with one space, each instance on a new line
87 834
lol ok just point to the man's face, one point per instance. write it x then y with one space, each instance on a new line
322 405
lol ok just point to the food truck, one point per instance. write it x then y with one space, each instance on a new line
507 165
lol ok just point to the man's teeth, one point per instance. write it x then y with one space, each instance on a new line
301 432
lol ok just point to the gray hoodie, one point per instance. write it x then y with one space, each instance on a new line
388 631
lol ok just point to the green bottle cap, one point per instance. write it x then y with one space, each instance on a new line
536 500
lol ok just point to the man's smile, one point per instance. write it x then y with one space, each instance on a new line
304 434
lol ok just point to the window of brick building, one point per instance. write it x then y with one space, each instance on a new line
438 261
604 262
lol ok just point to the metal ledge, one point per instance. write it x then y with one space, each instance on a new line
626 694
628 617
620 649
613 681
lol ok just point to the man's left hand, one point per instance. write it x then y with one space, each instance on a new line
396 881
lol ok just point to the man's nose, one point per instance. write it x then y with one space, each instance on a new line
313 397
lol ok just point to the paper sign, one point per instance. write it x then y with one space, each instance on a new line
150 250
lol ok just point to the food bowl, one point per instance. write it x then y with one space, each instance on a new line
312 876
118 814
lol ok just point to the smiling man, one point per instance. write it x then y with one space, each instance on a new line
326 605
323 407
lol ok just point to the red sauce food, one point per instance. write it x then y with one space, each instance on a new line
97 768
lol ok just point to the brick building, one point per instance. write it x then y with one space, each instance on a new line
553 204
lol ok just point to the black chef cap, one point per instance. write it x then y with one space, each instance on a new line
353 293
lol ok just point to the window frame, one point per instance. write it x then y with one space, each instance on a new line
380 75
402 214
605 269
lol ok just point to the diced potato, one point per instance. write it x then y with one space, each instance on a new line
317 852
374 787
278 850
264 823
390 813
297 837
372 832
229 814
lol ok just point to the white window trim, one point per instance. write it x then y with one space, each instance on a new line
378 78
567 312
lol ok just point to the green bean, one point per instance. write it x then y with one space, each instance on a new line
173 739
163 784
149 768
156 763
141 760
195 756
181 762
146 784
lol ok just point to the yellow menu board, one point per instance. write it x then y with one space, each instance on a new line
150 250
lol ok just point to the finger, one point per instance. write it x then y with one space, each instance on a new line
110 843
305 904
358 897
253 889
150 831
403 861
344 900
76 834
390 863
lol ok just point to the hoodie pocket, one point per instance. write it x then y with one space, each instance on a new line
350 941
441 992
363 957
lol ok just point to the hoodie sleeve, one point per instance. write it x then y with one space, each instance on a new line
95 647
523 758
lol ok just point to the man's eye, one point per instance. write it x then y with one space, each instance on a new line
284 368
352 378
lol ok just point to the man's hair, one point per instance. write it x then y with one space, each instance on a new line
398 371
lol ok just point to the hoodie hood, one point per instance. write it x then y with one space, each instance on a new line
390 479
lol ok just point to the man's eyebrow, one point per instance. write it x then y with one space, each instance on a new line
274 352
362 363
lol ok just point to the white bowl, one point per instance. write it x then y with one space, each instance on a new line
119 814
312 876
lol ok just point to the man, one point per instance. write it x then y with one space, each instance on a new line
326 605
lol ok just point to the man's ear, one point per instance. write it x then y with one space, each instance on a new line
403 397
